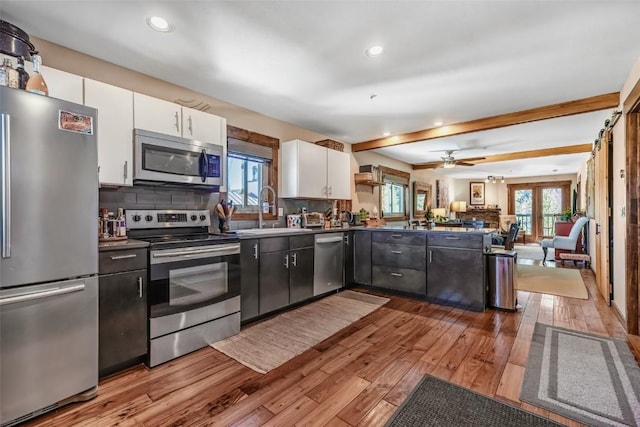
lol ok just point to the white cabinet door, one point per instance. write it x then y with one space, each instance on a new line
62 85
115 131
156 115
202 126
338 174
304 170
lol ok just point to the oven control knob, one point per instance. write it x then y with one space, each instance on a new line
148 218
136 218
194 217
202 217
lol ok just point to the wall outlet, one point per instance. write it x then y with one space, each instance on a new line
280 211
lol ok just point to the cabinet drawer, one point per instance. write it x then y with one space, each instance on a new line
274 244
456 240
124 260
399 237
400 279
306 241
403 256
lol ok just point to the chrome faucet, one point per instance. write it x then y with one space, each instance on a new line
273 192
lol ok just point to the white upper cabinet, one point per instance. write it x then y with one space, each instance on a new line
157 115
62 85
313 171
115 131
338 174
203 126
169 118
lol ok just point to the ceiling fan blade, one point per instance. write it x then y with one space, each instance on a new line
471 159
461 163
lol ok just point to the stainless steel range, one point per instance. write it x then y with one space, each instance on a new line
194 281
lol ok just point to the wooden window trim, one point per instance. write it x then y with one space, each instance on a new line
266 141
387 170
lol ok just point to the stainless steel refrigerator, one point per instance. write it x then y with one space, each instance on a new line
49 262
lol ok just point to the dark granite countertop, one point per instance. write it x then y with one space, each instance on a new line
283 232
121 244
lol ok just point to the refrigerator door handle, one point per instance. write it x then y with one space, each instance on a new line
5 121
39 295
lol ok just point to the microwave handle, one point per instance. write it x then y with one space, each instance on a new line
204 166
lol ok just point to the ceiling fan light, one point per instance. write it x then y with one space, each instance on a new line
487 180
449 165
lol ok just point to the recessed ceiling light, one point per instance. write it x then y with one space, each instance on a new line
159 24
438 123
554 170
374 51
373 95
386 133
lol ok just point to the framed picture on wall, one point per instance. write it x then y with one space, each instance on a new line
476 193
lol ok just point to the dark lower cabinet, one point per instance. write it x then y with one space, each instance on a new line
300 274
122 319
456 276
274 280
249 279
362 257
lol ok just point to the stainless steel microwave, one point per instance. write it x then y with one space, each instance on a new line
167 159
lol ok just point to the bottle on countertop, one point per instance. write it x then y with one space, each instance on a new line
36 83
4 75
122 225
23 76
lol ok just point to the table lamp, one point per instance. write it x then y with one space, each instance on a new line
458 206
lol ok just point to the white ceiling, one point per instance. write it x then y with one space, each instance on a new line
303 62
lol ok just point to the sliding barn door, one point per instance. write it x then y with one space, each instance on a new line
602 214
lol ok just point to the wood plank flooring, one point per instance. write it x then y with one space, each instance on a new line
357 377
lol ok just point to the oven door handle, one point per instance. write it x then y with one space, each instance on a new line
190 253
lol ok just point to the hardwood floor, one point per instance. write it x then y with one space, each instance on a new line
357 377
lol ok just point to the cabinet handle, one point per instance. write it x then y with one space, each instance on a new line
286 261
294 261
346 239
396 252
452 238
126 172
190 126
329 191
597 229
255 251
177 122
396 236
430 256
397 274
140 287
117 257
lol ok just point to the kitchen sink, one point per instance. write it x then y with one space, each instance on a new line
271 231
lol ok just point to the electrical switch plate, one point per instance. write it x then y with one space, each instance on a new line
280 211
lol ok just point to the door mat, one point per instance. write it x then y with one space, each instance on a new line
269 344
435 402
564 282
589 378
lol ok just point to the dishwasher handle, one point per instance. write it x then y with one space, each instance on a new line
328 239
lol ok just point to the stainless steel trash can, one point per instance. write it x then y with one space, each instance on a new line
502 279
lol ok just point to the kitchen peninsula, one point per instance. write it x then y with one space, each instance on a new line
442 265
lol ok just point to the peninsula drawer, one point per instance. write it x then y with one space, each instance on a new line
399 279
403 256
404 238
457 240
274 244
115 261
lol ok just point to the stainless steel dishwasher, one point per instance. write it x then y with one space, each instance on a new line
328 263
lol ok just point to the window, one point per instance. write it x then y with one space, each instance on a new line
393 193
251 164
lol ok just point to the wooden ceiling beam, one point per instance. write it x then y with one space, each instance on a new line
556 151
586 105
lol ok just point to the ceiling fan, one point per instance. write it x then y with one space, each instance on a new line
449 161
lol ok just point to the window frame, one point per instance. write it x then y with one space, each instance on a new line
383 170
272 178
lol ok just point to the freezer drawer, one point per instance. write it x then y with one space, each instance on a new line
48 344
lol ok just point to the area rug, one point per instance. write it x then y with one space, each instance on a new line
592 379
564 282
533 252
435 402
269 344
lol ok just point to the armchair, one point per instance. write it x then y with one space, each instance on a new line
564 242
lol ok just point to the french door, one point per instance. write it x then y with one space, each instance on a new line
538 205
